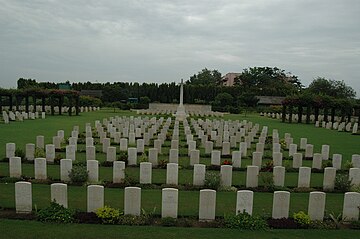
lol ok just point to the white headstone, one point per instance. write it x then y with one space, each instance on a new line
30 152
40 168
59 194
15 167
65 169
304 177
226 175
132 201
199 174
70 152
95 197
215 157
169 205
244 201
174 156
279 176
153 156
207 205
23 197
111 154
10 150
194 157
329 178
132 156
118 171
172 173
50 153
145 173
317 161
92 166
252 176
351 206
316 207
281 204
336 161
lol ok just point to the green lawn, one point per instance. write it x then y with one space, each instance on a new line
32 229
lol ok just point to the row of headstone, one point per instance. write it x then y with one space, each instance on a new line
20 116
207 202
172 171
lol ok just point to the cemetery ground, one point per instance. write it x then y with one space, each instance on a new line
22 133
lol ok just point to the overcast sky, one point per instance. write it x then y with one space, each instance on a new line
164 41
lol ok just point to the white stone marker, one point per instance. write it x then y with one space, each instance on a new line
354 176
279 176
89 141
243 149
260 147
309 151
226 175
59 194
40 168
191 146
145 173
276 148
56 142
153 156
207 205
123 144
336 161
172 171
244 201
132 156
92 166
316 207
65 169
209 146
174 156
15 167
303 143
140 146
175 144
90 153
199 174
23 197
277 158
225 148
215 157
50 153
194 157
297 160
329 179
157 145
281 204
304 177
169 204
236 159
118 171
111 154
355 160
317 161
292 149
257 159
10 150
325 151
40 141
351 206
105 144
252 174
95 197
70 152
132 201
30 152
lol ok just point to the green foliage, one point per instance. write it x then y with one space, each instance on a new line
56 213
348 164
212 180
39 153
168 222
245 221
206 77
20 153
143 158
78 174
123 156
302 219
342 182
89 101
162 163
334 88
355 188
267 180
108 215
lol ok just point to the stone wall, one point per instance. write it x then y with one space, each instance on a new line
173 107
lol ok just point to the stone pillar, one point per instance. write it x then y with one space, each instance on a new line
169 205
316 207
351 206
59 194
95 197
252 176
23 197
145 172
132 201
244 201
304 177
40 169
199 174
15 167
207 205
65 169
172 173
281 203
329 179
118 171
279 176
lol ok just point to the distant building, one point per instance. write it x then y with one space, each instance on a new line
92 93
229 78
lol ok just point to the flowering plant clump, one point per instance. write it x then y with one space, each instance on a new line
227 162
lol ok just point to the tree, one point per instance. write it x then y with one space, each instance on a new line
334 88
206 77
248 100
268 81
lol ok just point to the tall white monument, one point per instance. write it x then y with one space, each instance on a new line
180 112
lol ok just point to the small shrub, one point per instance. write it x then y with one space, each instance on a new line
268 166
342 183
245 221
348 164
355 225
355 188
212 180
108 215
57 158
56 213
323 225
143 158
123 156
78 174
20 153
39 153
302 219
227 162
162 163
327 164
267 180
168 222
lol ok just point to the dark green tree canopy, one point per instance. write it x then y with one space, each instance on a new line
206 77
334 88
270 81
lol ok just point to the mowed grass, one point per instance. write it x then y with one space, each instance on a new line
31 229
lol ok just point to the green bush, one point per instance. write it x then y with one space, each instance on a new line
108 215
20 153
212 180
168 222
267 180
348 164
39 153
143 158
302 219
78 174
342 182
245 221
56 213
